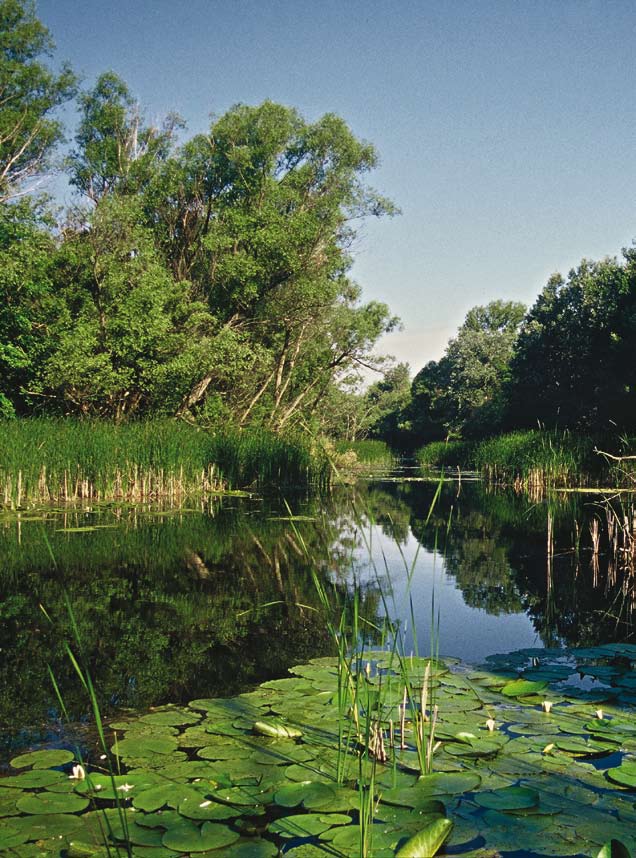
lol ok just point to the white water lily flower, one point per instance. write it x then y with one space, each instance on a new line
599 714
491 724
548 748
547 705
79 773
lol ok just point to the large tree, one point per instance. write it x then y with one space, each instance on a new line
464 392
29 95
575 359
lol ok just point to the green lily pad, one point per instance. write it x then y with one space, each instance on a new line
50 802
625 774
165 795
188 837
43 759
145 746
523 688
33 780
47 826
428 842
171 718
307 824
508 798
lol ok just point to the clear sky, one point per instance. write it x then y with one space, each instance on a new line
506 130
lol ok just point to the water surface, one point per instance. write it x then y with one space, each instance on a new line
208 599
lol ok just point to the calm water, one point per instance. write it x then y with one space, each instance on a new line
203 601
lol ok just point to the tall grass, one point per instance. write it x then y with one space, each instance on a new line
441 454
50 460
367 452
537 458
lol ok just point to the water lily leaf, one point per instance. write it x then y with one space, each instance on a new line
11 836
188 837
347 839
293 795
165 795
252 848
46 759
508 798
203 808
522 688
149 746
307 824
428 842
136 834
47 826
625 774
108 788
244 796
171 717
614 849
276 729
50 802
33 780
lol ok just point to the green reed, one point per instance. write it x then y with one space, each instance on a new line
538 458
368 452
43 460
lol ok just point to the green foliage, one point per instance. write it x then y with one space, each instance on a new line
573 364
439 454
463 393
26 301
31 92
46 458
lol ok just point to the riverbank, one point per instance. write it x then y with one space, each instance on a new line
539 458
45 460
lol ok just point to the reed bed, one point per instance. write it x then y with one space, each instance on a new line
364 455
536 459
50 461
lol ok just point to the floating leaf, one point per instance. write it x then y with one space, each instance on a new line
428 842
188 837
276 730
508 798
46 759
50 802
307 824
522 688
625 774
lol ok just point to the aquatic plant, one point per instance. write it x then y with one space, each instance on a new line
44 460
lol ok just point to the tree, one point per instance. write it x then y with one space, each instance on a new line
257 216
575 360
27 300
115 149
465 391
29 95
128 338
387 401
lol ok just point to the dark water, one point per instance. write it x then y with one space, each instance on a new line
176 604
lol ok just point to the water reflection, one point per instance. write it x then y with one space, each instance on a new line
177 604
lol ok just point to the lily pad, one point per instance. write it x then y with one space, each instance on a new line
523 688
188 837
50 802
307 824
508 798
46 759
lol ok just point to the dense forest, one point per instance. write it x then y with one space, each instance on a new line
208 277
204 277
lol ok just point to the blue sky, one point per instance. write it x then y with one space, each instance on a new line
506 130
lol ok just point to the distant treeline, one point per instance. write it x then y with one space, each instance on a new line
204 276
569 363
